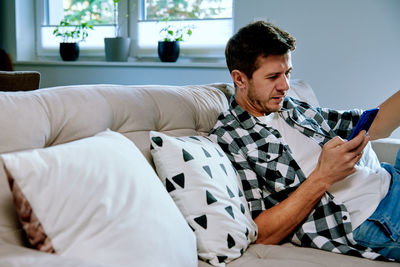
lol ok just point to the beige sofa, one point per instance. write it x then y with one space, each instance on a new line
52 116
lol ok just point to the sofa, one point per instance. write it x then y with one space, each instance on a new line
86 161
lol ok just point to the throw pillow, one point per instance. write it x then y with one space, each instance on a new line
99 199
204 185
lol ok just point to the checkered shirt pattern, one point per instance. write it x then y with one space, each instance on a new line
269 173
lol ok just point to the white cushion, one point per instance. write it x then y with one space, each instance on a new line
301 90
204 185
98 199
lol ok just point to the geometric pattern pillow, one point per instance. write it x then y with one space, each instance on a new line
204 185
98 199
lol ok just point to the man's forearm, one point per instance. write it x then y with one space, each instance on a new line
276 223
388 118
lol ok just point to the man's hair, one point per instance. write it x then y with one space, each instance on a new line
260 38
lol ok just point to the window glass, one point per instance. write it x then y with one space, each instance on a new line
187 9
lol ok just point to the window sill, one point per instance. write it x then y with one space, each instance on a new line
132 62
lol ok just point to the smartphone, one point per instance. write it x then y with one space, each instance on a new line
366 119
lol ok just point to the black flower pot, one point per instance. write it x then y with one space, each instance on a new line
69 51
168 51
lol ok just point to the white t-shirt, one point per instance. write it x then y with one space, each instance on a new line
360 192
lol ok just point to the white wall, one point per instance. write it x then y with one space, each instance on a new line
54 74
348 50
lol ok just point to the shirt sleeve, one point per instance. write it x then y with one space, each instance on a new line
248 177
342 122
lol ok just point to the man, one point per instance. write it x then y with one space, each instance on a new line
303 180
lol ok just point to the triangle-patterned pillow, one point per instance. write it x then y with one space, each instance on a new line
205 187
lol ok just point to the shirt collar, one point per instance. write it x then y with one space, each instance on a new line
290 111
246 119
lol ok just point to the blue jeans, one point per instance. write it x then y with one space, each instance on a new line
381 231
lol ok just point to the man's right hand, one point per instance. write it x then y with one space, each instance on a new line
336 162
338 159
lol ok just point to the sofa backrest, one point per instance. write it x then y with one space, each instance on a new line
58 115
52 116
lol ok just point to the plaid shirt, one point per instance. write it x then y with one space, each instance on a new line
269 173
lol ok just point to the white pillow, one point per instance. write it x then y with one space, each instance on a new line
204 185
98 199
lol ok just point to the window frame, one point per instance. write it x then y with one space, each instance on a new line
129 28
193 52
41 16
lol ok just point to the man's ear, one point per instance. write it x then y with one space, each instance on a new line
240 79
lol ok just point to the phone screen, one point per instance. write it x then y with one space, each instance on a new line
366 119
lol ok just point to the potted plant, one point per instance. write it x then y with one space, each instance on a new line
71 35
169 45
117 47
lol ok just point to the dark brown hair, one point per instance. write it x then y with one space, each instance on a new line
260 38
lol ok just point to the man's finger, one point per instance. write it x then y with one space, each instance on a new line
356 158
334 142
356 142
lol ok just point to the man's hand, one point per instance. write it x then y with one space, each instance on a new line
337 161
338 158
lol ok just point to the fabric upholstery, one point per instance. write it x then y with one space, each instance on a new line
98 199
288 255
18 256
205 187
51 116
59 115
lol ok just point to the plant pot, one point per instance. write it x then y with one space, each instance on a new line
69 51
117 49
168 51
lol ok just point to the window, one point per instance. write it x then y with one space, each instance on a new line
99 13
140 20
211 19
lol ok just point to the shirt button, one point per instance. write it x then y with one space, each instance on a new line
344 218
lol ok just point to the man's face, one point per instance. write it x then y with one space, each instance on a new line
264 92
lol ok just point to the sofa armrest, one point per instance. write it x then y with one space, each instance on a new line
386 149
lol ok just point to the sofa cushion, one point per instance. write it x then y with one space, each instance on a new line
17 256
57 115
288 255
301 90
98 199
10 228
204 185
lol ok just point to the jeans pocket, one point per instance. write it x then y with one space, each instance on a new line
388 230
375 234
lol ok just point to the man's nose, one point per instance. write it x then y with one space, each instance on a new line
283 84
